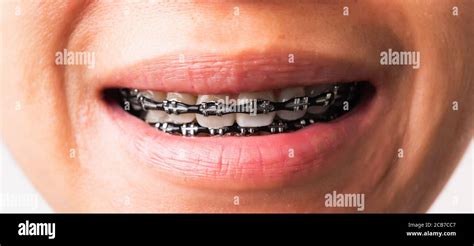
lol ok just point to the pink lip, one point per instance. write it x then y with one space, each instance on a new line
237 162
219 74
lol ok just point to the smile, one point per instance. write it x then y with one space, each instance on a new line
240 121
258 113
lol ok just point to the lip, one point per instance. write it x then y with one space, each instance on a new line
231 74
255 162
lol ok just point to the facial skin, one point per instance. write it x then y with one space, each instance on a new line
49 110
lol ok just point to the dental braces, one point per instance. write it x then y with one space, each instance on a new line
193 129
140 101
331 102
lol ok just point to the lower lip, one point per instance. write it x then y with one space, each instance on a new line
243 162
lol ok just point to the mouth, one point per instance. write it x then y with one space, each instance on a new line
264 124
246 114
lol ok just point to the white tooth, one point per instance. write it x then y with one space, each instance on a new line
184 98
316 90
287 94
214 121
153 116
255 120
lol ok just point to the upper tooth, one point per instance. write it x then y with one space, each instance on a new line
316 90
184 98
214 121
255 120
153 116
284 96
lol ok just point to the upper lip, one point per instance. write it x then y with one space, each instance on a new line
218 74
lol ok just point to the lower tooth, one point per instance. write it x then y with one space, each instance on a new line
317 90
255 120
287 94
214 121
